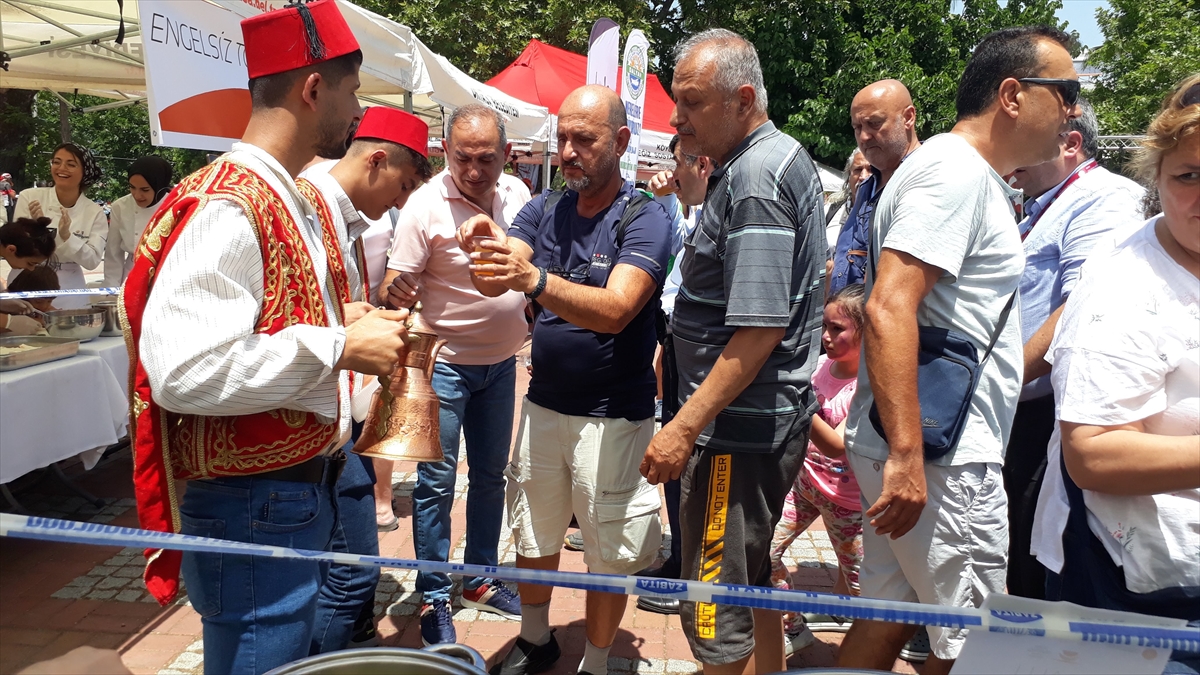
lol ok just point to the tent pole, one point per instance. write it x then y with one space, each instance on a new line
64 120
68 9
64 44
546 155
76 33
408 106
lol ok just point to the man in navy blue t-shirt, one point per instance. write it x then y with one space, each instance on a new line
595 262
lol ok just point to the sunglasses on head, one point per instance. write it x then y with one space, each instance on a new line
1191 96
1068 88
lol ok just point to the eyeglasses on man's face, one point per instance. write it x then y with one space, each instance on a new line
1069 89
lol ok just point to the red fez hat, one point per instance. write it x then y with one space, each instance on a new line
397 126
298 35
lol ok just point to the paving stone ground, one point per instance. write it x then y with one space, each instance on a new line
55 597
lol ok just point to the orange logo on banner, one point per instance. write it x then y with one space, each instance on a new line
223 113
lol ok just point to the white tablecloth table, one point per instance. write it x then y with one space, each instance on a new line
112 351
69 408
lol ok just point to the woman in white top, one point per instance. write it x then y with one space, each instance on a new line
82 225
1126 374
149 182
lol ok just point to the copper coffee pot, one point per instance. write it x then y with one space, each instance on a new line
403 421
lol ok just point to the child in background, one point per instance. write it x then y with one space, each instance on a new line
826 487
40 278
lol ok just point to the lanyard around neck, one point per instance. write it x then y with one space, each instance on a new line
1087 166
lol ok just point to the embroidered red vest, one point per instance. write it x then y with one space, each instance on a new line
168 446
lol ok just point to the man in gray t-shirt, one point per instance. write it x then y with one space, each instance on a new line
949 256
745 330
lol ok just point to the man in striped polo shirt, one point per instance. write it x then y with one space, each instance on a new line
745 326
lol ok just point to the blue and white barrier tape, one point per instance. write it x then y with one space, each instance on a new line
1184 638
112 290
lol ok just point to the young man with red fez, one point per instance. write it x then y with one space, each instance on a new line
387 161
242 334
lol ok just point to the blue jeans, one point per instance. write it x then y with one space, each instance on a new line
257 612
478 402
349 589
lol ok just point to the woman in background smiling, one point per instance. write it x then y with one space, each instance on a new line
82 226
149 182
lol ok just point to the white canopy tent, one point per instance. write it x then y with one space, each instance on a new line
70 46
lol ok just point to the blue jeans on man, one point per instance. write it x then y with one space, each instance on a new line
258 613
349 590
476 401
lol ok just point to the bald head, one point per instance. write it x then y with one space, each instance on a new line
884 122
592 136
598 103
888 94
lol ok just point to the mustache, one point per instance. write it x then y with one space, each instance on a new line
574 163
686 130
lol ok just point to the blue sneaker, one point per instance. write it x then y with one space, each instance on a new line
437 626
495 598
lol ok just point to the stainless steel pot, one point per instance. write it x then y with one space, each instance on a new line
444 659
77 324
820 670
112 318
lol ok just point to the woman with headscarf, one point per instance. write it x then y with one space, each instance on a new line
81 224
149 182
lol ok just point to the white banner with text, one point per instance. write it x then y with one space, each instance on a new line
195 74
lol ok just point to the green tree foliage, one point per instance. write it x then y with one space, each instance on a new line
817 54
483 36
1147 50
117 137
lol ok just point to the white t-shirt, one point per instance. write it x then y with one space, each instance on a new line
1129 351
947 207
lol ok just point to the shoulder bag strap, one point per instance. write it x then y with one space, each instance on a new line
999 324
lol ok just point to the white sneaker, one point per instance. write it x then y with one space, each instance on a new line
800 638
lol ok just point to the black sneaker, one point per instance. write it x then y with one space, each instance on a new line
437 626
916 650
365 636
528 658
573 541
658 605
827 623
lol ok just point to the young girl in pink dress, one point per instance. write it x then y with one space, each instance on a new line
826 487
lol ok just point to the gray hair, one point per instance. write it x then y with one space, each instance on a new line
736 60
844 196
1087 127
472 112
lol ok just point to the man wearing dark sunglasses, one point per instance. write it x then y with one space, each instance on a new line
1067 89
946 255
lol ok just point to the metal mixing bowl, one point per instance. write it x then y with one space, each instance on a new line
440 659
76 324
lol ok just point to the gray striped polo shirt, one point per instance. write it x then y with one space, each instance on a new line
757 258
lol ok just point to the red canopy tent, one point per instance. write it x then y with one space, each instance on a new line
544 75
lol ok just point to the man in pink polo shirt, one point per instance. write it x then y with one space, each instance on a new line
475 377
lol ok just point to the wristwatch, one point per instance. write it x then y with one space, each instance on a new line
541 285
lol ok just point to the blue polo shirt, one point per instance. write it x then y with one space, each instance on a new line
578 371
